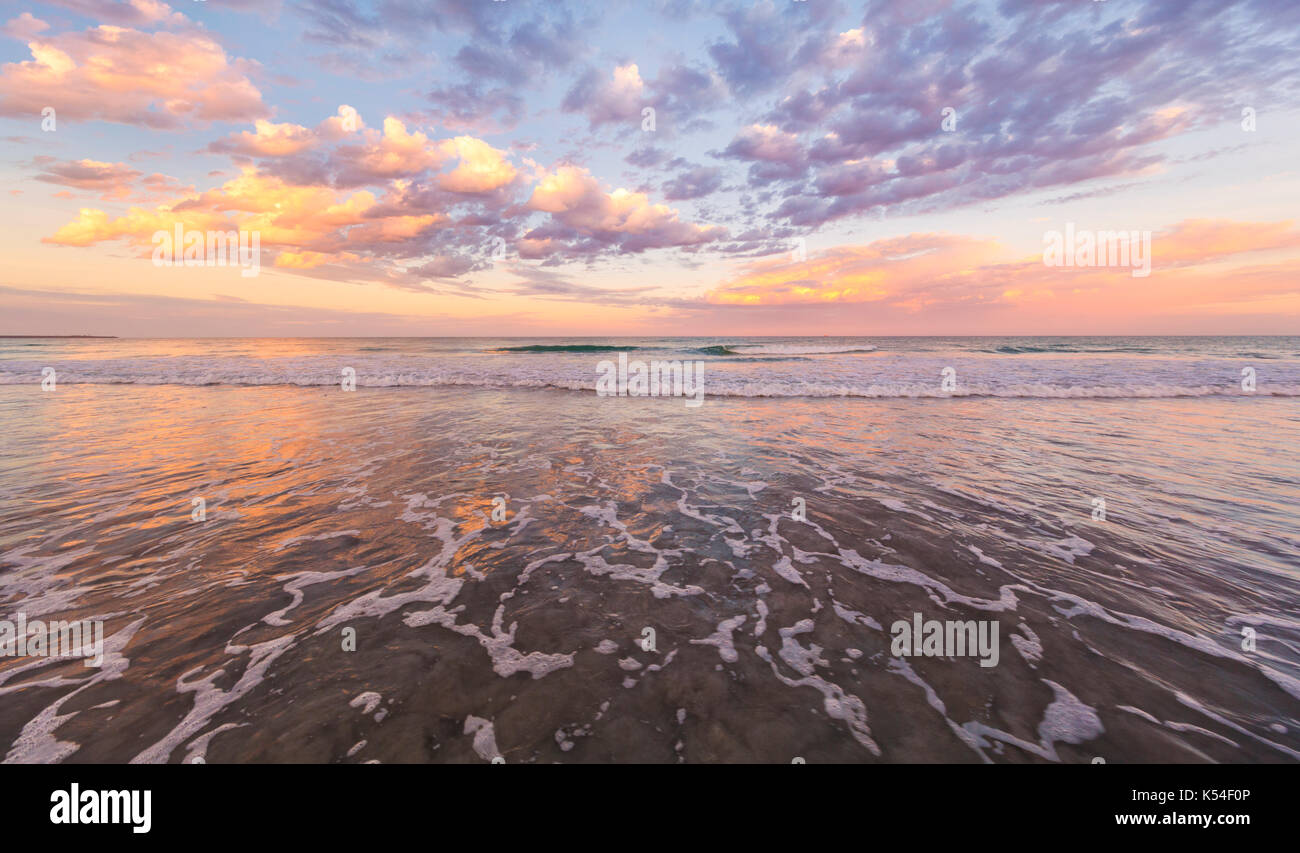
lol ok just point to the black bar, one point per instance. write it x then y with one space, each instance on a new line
332 804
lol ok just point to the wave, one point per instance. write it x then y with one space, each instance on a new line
713 350
1023 349
1063 392
566 348
729 355
760 359
783 349
731 388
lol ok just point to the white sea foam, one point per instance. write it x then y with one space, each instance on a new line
440 580
835 371
723 640
367 702
485 737
799 349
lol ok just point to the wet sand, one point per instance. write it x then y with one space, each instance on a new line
373 511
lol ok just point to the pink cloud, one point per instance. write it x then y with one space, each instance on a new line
25 26
109 73
1198 268
576 199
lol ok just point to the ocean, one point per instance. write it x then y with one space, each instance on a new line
475 556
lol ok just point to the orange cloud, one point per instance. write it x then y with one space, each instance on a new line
137 226
481 168
1196 264
1202 240
311 260
309 225
886 270
307 217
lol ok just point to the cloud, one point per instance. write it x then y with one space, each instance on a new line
307 260
480 167
1194 263
147 315
621 218
25 26
449 266
619 98
474 106
1197 241
765 142
159 80
127 12
394 153
693 183
547 284
506 49
773 153
110 180
286 216
765 48
393 205
678 95
647 157
868 102
902 268
267 140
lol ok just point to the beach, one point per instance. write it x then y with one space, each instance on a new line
459 560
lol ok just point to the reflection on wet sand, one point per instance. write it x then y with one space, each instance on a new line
373 511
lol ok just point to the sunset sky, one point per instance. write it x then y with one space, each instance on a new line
530 167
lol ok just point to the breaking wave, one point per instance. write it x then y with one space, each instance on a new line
717 385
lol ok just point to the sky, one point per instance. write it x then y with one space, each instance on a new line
540 167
